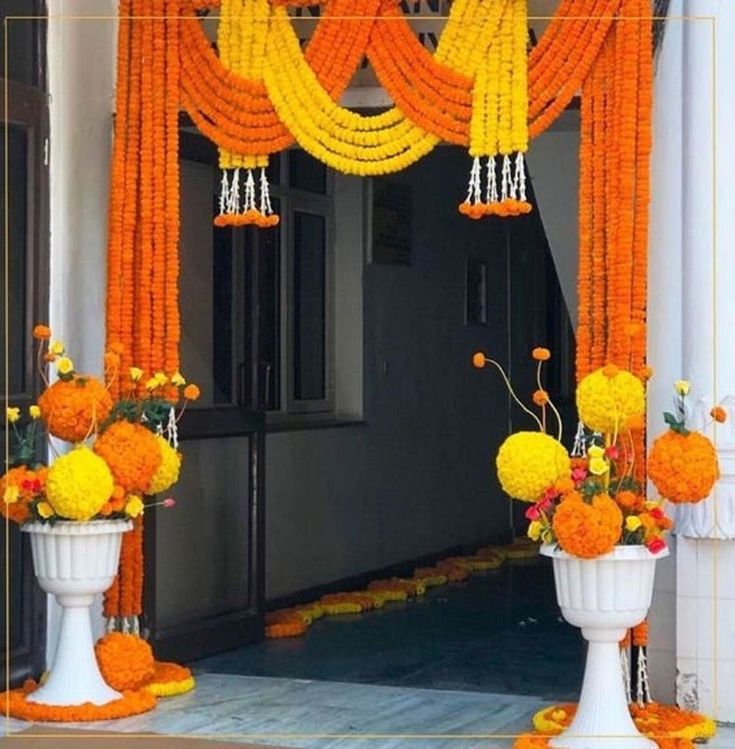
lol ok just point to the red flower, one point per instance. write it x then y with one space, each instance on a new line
655 545
545 503
656 513
612 452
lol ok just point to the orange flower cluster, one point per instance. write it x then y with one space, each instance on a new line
125 661
683 467
587 530
132 454
17 706
640 634
27 485
72 408
249 218
503 208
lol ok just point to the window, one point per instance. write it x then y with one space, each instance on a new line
296 348
277 324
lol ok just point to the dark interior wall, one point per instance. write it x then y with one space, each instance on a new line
417 477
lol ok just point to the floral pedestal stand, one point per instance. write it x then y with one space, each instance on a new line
604 597
75 561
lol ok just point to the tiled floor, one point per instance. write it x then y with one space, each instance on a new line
498 632
328 715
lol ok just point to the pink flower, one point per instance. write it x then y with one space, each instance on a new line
546 503
612 452
579 474
169 502
532 513
655 545
549 494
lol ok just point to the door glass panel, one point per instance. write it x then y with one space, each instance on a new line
306 172
309 305
21 36
206 290
202 544
17 254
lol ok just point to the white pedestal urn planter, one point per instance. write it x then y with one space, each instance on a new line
75 561
604 597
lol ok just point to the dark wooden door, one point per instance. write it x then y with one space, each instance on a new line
23 302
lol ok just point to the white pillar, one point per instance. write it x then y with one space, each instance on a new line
705 609
81 78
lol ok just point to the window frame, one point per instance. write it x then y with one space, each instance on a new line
293 200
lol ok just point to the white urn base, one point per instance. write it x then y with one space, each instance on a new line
74 562
604 597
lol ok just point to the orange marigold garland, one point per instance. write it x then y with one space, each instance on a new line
126 661
131 703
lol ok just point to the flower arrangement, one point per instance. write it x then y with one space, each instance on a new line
123 449
590 500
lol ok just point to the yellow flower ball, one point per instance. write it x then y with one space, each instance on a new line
168 472
529 463
78 484
606 403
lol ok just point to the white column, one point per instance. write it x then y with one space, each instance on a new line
81 79
705 608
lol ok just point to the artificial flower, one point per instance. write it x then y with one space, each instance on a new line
71 408
11 494
167 473
599 466
41 332
632 523
719 414
191 392
540 397
45 510
682 387
534 530
533 512
135 373
160 378
65 366
655 545
609 399
541 354
530 462
56 347
134 506
588 530
34 411
12 414
132 452
151 384
78 484
178 379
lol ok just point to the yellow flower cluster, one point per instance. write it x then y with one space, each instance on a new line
611 400
168 472
529 463
78 484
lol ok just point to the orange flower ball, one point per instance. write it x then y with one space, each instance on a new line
683 467
126 661
588 530
132 453
70 408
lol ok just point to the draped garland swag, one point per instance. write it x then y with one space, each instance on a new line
260 93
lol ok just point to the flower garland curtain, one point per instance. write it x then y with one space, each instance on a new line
480 90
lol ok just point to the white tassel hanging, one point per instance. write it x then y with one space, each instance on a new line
224 193
265 194
249 201
520 177
643 688
507 179
625 666
579 449
491 190
474 188
233 201
172 430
